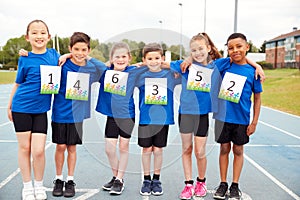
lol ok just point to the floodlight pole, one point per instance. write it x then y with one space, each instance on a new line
180 52
235 16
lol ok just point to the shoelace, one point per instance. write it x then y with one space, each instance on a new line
187 189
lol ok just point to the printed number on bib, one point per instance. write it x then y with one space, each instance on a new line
232 87
156 91
199 78
115 82
77 86
50 79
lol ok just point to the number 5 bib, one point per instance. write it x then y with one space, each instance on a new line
115 82
50 79
77 86
156 91
232 87
199 78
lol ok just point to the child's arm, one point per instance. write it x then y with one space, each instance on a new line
259 71
13 91
256 111
186 63
62 59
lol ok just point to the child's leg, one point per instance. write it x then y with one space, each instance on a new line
158 159
187 149
24 148
123 160
71 160
110 150
238 160
223 160
146 160
38 141
200 146
60 158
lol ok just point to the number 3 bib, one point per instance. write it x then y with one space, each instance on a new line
77 86
156 91
115 82
232 87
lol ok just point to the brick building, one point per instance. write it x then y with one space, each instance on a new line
284 50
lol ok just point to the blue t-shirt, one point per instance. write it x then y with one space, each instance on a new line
157 114
237 113
118 106
191 101
27 98
73 111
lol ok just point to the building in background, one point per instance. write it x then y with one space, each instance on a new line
284 50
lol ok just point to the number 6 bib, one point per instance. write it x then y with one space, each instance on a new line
115 82
156 91
50 79
77 86
232 87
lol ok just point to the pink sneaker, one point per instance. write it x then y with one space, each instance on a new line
200 189
187 192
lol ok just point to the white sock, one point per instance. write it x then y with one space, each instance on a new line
27 185
70 178
60 177
38 183
121 180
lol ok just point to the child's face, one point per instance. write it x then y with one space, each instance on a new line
153 60
199 51
38 36
237 49
79 51
120 59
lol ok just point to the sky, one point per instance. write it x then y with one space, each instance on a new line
160 20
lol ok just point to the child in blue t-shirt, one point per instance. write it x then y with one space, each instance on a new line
27 108
156 88
232 115
71 106
115 100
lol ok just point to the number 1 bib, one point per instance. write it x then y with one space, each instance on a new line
232 87
50 79
115 82
156 91
199 78
77 86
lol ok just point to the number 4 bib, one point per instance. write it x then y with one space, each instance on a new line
232 87
77 86
156 91
115 82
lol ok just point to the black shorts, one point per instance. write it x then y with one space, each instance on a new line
153 135
67 133
116 127
197 124
229 132
35 123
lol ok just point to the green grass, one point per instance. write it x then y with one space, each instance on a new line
7 77
281 89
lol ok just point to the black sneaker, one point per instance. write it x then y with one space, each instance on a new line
107 186
117 187
221 191
69 189
58 188
234 192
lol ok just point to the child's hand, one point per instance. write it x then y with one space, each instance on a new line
251 129
23 52
186 63
62 59
176 75
9 114
165 65
139 64
260 72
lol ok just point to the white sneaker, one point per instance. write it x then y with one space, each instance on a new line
28 194
40 193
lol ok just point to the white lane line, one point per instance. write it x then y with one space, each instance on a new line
267 174
17 171
279 129
292 115
5 123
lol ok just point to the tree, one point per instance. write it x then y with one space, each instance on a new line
263 48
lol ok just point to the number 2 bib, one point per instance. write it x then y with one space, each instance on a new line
232 87
156 91
77 86
50 79
199 78
115 82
